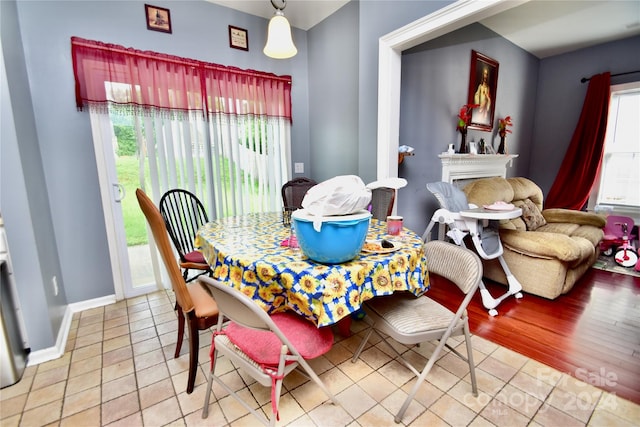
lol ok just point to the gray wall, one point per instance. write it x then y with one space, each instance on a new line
333 69
435 79
561 94
378 18
24 194
343 83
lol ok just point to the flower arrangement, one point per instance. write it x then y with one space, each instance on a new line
502 126
464 116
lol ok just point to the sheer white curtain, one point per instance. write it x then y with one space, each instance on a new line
235 165
250 158
220 132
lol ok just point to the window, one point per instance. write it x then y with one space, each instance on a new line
618 187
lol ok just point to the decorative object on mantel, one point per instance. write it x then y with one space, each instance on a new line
473 147
404 150
503 131
279 42
463 119
463 142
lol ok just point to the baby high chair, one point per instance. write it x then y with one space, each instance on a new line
463 219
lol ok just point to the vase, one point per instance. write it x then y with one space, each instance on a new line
463 143
502 148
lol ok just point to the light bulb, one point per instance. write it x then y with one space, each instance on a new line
279 42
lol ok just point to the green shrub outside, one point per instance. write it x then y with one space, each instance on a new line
127 168
134 222
127 144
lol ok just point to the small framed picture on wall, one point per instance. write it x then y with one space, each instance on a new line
483 86
238 38
158 18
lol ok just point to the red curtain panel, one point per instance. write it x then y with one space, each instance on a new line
582 161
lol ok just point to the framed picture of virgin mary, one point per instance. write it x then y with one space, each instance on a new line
483 85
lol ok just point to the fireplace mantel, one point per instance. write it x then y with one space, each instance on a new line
458 169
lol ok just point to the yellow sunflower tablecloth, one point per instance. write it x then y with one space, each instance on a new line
246 253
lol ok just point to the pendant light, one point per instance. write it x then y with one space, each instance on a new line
279 42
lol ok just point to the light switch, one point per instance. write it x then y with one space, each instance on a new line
298 167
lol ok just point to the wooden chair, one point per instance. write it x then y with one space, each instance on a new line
265 347
183 214
382 199
294 191
193 302
412 320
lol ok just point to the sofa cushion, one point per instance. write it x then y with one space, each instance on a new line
574 217
589 232
542 245
531 215
592 234
586 249
513 224
488 191
565 228
524 188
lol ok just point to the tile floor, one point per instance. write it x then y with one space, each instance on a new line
119 369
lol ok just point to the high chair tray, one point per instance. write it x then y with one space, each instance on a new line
482 213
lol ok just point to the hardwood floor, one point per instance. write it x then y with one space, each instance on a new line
591 333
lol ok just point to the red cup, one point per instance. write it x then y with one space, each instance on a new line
394 225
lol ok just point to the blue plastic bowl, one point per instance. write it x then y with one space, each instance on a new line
339 240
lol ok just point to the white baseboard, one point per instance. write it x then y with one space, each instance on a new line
57 351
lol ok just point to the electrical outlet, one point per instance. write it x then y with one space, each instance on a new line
54 282
298 167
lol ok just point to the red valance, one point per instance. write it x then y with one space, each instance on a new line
160 81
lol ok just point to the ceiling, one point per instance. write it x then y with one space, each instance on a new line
303 14
541 27
546 28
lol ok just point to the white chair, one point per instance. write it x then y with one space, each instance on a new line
267 347
412 320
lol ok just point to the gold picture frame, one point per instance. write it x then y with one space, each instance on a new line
483 86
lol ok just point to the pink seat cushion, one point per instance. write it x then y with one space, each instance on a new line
264 346
195 256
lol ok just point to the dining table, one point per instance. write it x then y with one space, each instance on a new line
251 253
